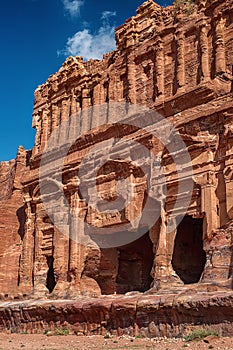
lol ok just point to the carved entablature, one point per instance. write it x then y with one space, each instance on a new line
72 67
141 27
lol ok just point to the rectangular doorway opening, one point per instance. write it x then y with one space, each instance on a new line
189 257
135 264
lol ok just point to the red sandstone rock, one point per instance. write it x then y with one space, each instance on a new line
164 315
179 63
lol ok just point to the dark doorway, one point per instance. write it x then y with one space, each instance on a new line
135 264
189 258
50 281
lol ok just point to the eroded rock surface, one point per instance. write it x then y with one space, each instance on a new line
170 315
178 62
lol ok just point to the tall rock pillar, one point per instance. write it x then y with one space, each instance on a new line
220 53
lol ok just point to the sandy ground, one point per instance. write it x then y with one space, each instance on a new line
73 342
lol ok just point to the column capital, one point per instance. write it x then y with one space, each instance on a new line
208 179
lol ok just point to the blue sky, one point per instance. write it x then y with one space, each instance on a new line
36 37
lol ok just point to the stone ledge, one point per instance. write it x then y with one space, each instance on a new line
170 315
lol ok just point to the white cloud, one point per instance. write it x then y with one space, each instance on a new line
73 6
107 14
89 45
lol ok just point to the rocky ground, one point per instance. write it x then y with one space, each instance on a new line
74 342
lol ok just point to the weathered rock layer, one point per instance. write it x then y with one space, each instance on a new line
148 316
178 62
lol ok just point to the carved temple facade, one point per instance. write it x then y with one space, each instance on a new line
178 63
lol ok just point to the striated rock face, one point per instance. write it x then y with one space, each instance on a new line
147 316
178 62
12 221
7 174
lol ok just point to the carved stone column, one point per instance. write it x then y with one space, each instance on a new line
209 201
40 263
55 117
180 60
79 245
73 105
99 117
111 88
205 64
159 62
65 110
61 258
131 79
97 95
164 273
77 250
100 93
86 100
220 53
44 128
65 113
61 246
37 124
26 260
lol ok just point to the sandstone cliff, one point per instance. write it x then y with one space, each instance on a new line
176 61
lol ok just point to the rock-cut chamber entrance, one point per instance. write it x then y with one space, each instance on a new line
50 281
189 258
135 263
